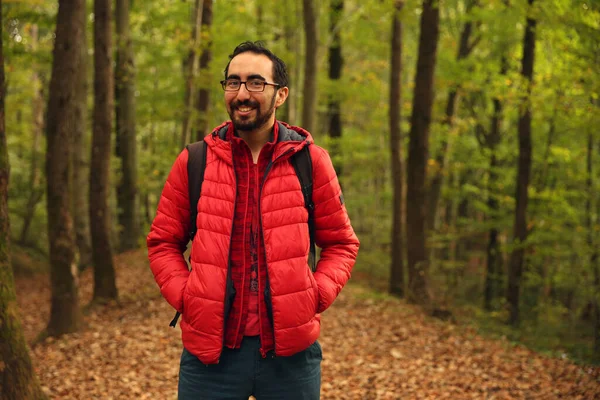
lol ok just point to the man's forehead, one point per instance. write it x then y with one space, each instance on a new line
248 63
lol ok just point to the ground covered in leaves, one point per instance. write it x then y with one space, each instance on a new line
373 349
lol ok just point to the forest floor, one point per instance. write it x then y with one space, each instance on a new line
374 348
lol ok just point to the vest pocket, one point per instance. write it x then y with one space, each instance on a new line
229 296
314 287
268 304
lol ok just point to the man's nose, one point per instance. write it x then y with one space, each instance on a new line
243 92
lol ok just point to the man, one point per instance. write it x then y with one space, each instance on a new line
250 305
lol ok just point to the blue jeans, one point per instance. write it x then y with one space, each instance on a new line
243 372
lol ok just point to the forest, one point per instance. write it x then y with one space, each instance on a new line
464 134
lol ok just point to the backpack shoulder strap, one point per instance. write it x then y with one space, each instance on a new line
195 167
303 166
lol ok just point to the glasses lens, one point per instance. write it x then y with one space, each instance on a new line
255 85
231 85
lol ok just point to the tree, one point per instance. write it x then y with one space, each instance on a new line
191 73
63 117
416 218
35 183
465 48
397 264
524 171
203 106
288 112
17 377
336 63
310 66
494 259
80 178
125 126
594 256
104 271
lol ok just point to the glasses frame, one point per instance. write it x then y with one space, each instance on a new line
265 83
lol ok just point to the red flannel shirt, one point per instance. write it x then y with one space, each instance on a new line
248 315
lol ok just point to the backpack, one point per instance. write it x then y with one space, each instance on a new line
196 165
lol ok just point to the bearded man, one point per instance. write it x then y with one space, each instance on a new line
251 304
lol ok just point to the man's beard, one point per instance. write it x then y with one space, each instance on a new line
251 124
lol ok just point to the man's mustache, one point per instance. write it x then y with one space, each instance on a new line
245 103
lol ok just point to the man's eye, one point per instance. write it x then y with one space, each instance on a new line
256 84
233 83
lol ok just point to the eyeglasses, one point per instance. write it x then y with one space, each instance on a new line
252 85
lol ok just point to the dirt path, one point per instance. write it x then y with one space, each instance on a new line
373 349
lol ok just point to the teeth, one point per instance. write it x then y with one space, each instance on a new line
244 109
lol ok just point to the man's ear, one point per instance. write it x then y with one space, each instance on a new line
282 95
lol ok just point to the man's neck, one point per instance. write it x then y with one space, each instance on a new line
256 139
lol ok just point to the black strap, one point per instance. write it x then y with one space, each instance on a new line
303 165
195 168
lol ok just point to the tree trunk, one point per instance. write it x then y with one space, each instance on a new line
494 259
35 178
80 166
260 12
590 241
148 148
397 266
545 169
336 63
191 74
416 217
293 44
437 181
203 106
596 266
310 66
523 176
287 112
104 271
17 376
125 127
493 248
64 114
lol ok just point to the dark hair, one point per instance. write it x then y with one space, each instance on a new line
280 75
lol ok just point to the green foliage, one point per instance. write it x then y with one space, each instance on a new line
557 286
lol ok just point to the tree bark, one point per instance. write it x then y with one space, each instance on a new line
203 106
289 8
80 165
63 116
397 266
310 66
494 259
191 74
545 168
125 126
594 256
493 248
416 217
523 176
437 181
17 376
336 63
104 271
35 178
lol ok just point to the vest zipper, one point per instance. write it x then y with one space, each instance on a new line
228 303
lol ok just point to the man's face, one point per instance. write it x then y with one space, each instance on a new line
253 110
